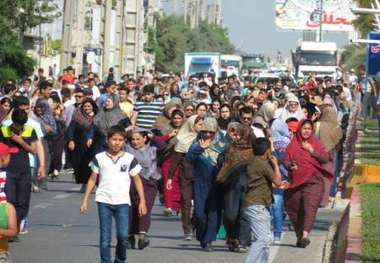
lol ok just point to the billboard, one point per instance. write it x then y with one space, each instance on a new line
373 58
305 15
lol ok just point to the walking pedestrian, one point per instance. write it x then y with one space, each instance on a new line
304 158
263 171
146 155
114 169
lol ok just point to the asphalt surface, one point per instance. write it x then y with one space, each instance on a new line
58 233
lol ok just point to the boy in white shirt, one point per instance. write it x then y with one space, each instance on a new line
115 169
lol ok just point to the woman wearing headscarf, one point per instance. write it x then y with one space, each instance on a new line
81 148
146 155
281 138
225 117
233 181
163 122
328 130
262 119
304 159
43 115
110 115
179 172
292 109
203 155
167 142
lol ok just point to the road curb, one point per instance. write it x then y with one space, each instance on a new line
354 233
334 248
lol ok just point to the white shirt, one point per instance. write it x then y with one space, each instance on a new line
114 177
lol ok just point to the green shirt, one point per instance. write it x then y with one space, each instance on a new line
260 177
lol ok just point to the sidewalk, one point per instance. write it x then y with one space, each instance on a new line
288 252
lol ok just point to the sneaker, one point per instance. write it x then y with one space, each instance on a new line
188 237
276 240
23 227
36 189
168 212
241 249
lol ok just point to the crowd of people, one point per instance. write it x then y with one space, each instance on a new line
234 154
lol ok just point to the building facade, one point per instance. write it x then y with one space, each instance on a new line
99 34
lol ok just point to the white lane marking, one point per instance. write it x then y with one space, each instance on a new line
42 205
61 196
274 248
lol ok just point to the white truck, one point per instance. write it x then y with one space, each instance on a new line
320 58
231 65
200 63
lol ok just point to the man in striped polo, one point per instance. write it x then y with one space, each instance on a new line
147 110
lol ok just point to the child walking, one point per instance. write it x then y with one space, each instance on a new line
115 168
262 172
146 154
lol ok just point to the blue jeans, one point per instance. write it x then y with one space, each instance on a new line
277 212
120 214
260 224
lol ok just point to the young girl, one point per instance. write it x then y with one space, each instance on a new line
146 155
115 169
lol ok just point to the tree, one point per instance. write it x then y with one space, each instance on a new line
16 16
364 23
354 55
172 38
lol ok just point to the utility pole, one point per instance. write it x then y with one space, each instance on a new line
202 10
320 20
185 10
175 6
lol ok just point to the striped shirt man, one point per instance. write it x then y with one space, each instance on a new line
147 113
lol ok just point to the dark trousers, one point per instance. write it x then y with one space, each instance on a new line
239 230
57 145
186 196
17 188
138 224
302 204
186 184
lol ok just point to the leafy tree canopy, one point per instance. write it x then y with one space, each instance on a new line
173 38
354 55
15 17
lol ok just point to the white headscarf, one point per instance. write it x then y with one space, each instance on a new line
286 114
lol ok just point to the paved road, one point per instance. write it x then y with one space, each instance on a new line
59 233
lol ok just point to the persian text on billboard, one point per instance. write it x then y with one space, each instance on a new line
305 15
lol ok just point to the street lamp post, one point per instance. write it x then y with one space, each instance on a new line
320 19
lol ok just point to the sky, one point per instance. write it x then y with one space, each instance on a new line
252 29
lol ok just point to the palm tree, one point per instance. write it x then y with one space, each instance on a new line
364 23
